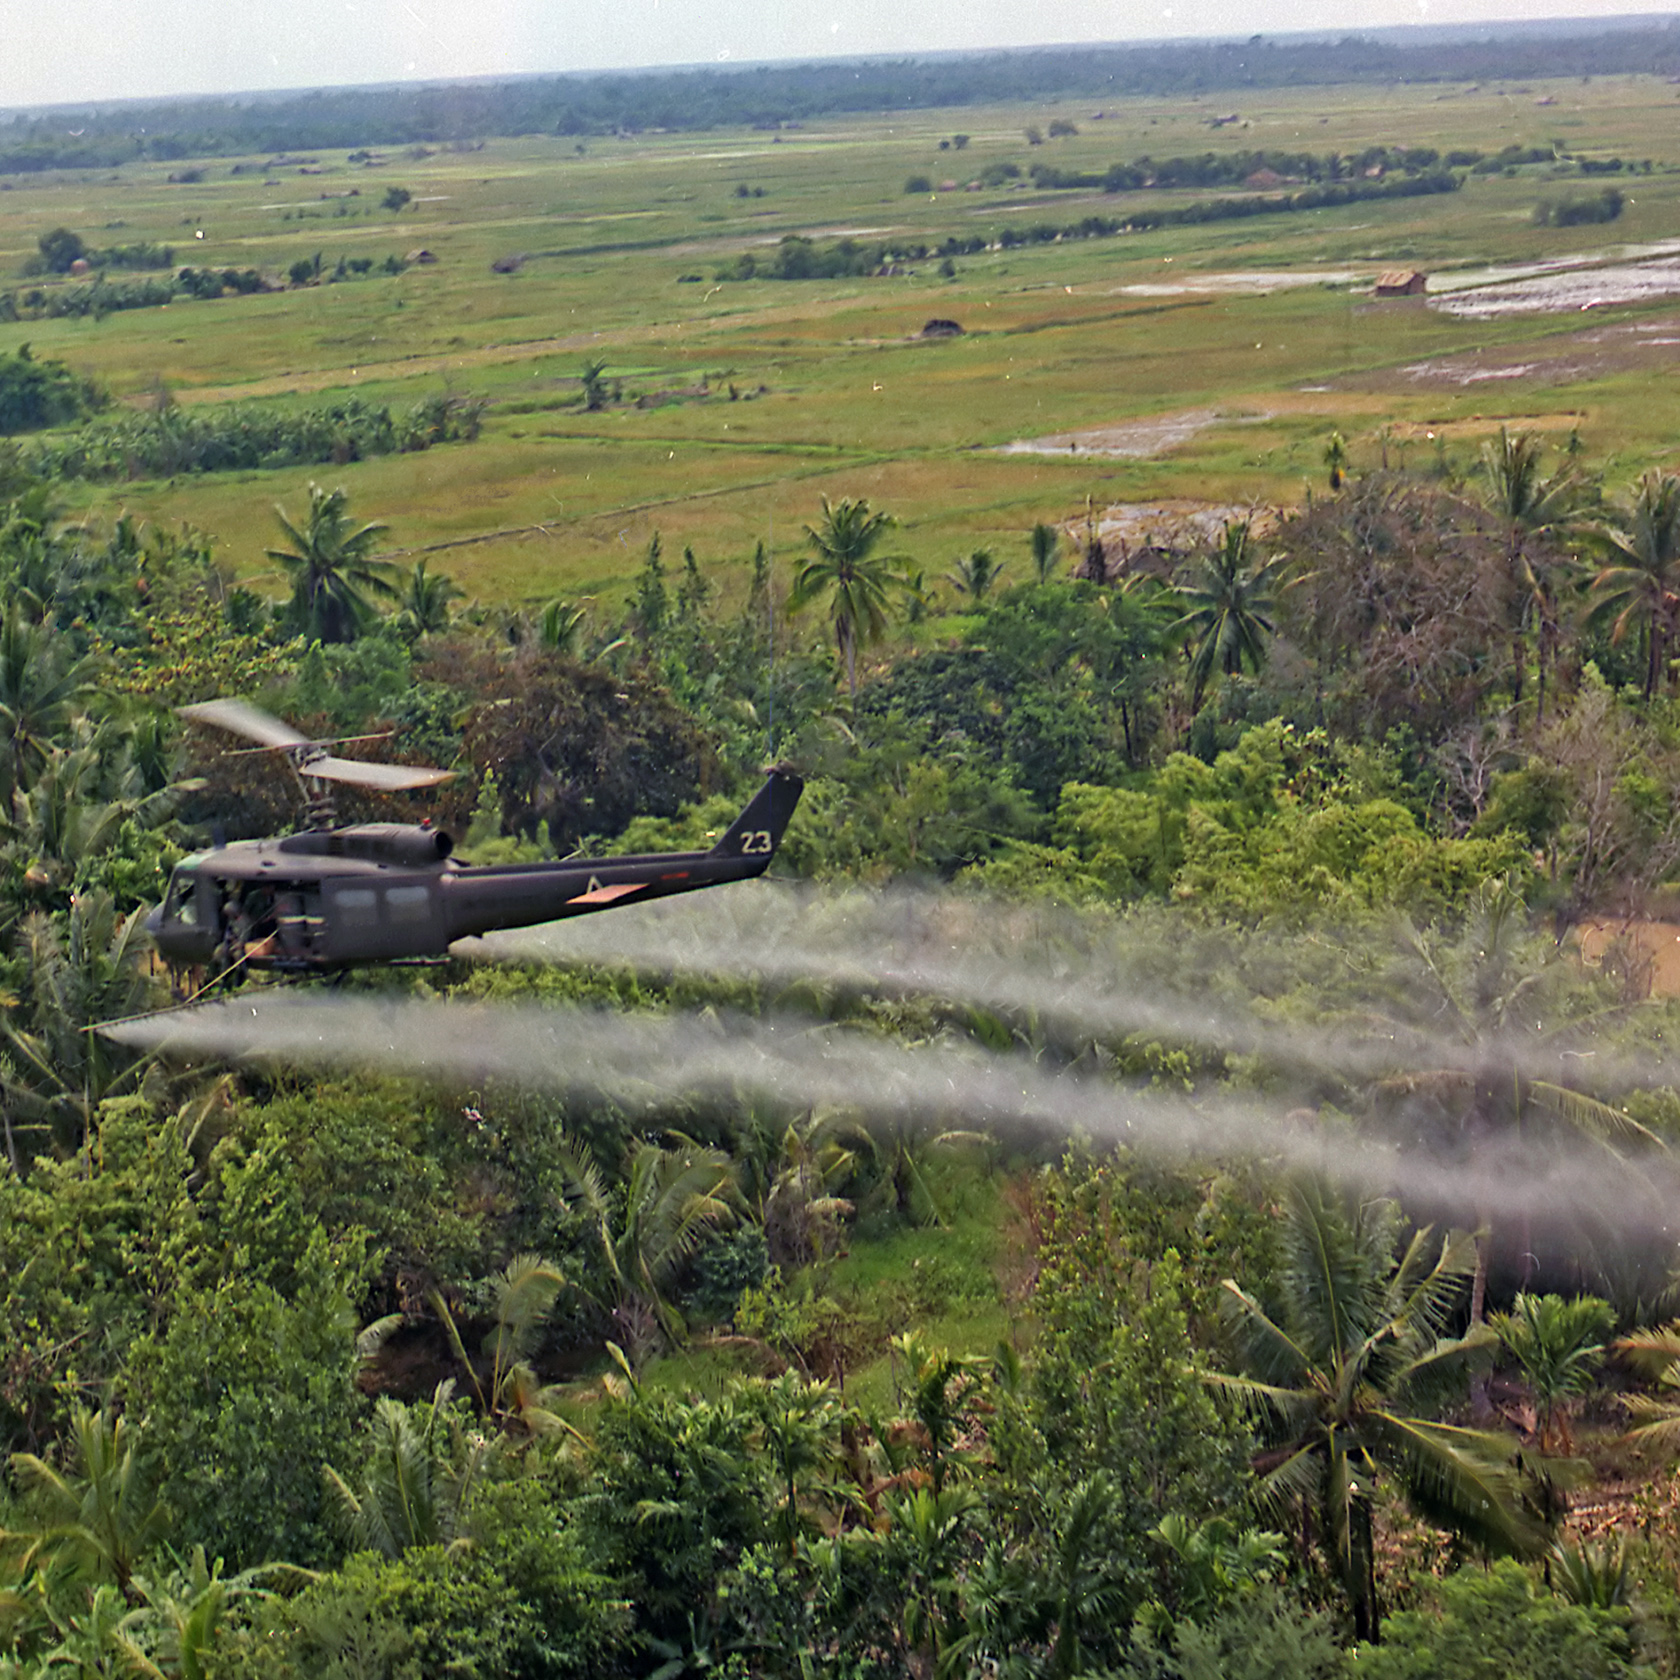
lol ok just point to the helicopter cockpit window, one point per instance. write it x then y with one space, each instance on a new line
182 903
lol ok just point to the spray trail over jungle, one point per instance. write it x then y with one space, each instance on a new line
656 1064
1078 973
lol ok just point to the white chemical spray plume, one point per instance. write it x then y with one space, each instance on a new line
658 1063
1075 972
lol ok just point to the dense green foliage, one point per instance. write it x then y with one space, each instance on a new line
34 394
345 1377
243 436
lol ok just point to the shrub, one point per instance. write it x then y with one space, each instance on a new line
1605 206
1495 1622
35 394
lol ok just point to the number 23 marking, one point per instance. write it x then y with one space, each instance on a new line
756 842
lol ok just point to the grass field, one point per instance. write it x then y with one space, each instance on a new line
838 395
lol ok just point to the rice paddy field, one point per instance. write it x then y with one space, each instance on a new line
1188 366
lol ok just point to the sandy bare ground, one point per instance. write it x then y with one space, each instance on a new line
1173 523
1132 440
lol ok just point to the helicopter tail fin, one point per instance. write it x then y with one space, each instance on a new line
758 831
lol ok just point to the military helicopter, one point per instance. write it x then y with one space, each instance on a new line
333 896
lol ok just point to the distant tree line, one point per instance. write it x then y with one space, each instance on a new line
769 95
798 258
100 297
1220 169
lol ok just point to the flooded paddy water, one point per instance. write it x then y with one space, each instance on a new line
1603 287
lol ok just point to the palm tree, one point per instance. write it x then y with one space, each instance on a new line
856 580
1640 585
799 1433
1560 1345
63 820
671 1200
1336 1367
1501 998
422 1468
1335 458
43 686
1094 566
332 569
1655 1354
1226 609
1530 505
561 627
100 1512
184 1610
594 384
426 600
53 1073
820 1153
1045 546
976 575
525 1292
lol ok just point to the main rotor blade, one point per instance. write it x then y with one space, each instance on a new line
247 720
387 778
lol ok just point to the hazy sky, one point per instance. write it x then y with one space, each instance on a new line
53 50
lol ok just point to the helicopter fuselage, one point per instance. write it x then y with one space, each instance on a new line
328 899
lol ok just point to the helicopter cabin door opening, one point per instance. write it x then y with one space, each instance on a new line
267 923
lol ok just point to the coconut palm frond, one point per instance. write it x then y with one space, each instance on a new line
1458 1477
1281 1488
1596 1119
1653 1353
1267 1347
1269 1402
1659 1424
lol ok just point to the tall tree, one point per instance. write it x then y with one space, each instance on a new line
1531 505
332 569
845 568
1226 609
1468 1014
1640 583
1341 1365
43 685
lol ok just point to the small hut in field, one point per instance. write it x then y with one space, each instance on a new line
1402 282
